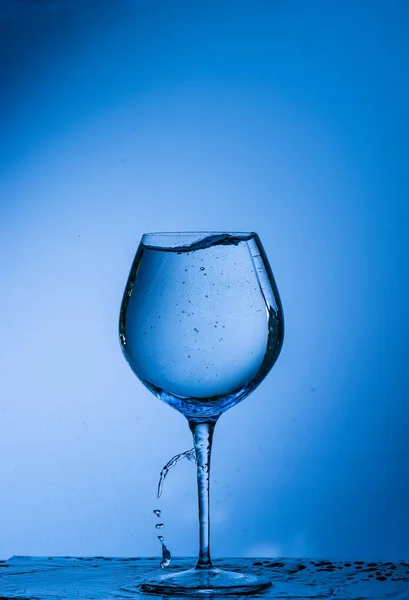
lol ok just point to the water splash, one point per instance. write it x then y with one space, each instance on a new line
166 555
189 454
218 239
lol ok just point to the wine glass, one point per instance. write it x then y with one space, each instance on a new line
201 325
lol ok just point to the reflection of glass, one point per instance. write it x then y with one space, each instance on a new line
201 325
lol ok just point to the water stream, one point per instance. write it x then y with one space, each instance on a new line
190 455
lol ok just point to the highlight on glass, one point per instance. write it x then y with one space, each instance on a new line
201 325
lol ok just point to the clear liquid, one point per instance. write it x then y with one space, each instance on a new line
189 454
166 555
201 325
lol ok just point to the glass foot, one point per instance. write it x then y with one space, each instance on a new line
203 582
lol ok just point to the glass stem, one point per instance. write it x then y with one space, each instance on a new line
202 439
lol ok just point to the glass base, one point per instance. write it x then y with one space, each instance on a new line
204 582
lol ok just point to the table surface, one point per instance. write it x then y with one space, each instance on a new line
101 578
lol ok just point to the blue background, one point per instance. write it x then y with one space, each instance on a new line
287 118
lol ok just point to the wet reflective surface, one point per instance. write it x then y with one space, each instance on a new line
101 578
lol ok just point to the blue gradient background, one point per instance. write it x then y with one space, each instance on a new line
287 118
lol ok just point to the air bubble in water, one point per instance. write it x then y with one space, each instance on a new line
157 512
159 526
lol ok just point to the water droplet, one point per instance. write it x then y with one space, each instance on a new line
160 538
202 268
159 526
157 512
